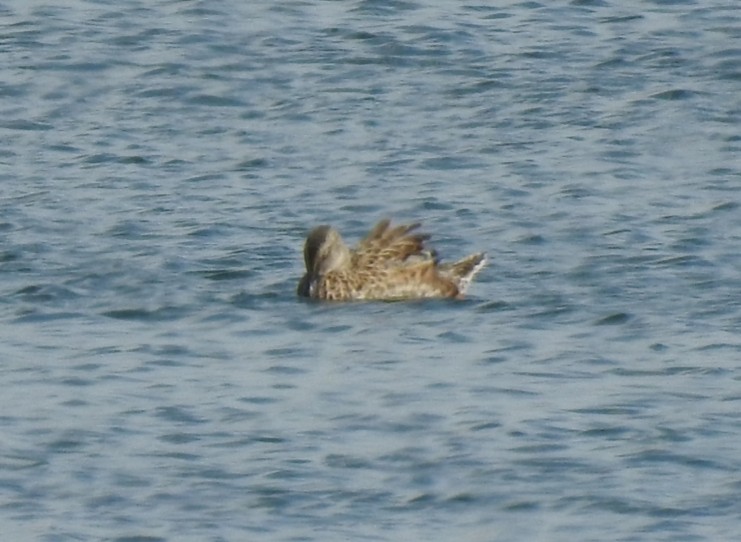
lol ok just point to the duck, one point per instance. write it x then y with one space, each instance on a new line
391 263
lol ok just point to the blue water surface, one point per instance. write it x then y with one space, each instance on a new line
161 165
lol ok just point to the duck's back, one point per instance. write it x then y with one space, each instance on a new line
417 280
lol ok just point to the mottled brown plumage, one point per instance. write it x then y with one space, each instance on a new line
388 264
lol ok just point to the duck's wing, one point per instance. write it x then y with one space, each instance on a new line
386 245
413 280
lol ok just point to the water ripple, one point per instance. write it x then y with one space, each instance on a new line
161 165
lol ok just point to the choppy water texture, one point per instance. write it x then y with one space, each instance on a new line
161 163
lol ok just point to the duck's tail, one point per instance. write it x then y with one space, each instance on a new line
463 271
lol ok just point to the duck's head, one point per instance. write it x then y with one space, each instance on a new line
325 251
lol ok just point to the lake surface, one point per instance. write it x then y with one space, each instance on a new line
161 164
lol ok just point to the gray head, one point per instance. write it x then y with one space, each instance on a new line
325 251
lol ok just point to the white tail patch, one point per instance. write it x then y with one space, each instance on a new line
467 268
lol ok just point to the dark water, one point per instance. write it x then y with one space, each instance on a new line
161 163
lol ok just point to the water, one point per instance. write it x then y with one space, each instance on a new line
161 164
